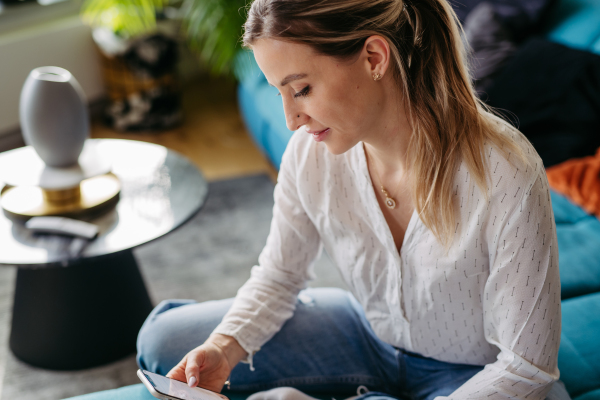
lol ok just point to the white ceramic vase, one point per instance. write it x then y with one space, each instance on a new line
54 116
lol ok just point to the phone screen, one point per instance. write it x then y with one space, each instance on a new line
180 390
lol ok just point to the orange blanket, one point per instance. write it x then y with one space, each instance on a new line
579 180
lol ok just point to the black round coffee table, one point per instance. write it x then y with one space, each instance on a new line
78 309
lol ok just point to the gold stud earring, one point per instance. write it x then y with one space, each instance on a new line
376 77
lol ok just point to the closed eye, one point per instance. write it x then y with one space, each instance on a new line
303 93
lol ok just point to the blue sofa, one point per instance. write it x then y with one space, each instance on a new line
574 23
578 236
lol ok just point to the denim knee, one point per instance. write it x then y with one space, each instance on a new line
155 339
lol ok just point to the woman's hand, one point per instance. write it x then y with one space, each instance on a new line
210 364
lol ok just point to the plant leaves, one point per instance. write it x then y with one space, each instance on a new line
127 18
213 29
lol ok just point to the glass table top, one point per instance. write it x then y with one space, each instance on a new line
160 190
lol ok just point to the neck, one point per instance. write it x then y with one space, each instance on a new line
387 144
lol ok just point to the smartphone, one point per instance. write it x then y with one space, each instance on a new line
169 389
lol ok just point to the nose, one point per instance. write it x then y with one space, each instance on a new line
294 117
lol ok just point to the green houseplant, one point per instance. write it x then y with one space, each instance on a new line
139 60
125 18
212 28
123 30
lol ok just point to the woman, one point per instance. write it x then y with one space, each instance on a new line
436 212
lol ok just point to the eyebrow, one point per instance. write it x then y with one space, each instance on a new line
292 77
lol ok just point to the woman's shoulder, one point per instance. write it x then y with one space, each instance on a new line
512 167
511 171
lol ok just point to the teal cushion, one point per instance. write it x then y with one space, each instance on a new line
263 113
578 235
596 47
566 212
575 23
139 392
133 392
579 353
136 392
594 395
265 120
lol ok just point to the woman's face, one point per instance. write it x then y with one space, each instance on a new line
337 102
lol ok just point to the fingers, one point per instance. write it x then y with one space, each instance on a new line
178 371
192 369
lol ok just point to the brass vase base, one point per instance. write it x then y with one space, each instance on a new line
91 195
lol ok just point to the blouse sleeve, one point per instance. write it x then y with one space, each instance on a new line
522 314
268 298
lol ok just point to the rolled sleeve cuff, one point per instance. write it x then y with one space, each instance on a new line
249 348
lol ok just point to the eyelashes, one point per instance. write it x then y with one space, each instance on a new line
303 93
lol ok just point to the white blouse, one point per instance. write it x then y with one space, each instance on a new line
493 299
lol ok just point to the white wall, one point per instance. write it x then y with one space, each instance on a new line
65 43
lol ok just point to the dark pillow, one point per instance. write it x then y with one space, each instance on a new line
553 92
521 17
491 44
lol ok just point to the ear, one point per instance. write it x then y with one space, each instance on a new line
377 53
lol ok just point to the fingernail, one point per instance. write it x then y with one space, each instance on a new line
192 381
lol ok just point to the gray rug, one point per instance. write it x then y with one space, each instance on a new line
208 258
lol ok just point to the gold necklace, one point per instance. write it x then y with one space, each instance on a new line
389 201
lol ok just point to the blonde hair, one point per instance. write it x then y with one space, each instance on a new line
450 124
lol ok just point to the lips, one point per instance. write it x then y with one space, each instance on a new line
319 135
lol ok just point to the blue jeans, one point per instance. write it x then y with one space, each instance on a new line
328 346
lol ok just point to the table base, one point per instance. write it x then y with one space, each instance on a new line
83 315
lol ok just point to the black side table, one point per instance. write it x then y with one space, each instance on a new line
73 312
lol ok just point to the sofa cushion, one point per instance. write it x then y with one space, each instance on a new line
578 235
136 392
579 353
520 17
263 112
139 392
574 23
566 212
596 47
264 118
561 119
593 395
133 392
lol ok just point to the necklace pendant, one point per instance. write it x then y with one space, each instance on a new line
390 203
